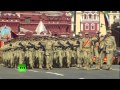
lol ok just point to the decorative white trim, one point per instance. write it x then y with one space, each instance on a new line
81 27
98 27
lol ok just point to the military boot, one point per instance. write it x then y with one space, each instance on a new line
40 66
50 66
68 65
47 67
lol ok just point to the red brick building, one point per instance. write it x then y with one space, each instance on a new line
90 22
57 22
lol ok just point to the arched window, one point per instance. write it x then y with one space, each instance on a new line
92 26
85 16
90 16
27 20
95 16
114 17
86 26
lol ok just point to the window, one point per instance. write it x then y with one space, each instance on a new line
94 16
114 17
92 26
27 20
86 26
85 16
90 16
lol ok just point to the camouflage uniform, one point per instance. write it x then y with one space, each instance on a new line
95 51
102 49
69 54
110 45
49 53
86 47
79 54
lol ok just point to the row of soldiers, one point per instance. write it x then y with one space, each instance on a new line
50 51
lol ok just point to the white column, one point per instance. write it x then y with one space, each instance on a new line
72 23
102 21
78 17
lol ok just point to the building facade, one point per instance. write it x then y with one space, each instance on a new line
89 22
114 15
57 22
93 21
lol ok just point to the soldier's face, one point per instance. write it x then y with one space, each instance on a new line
87 35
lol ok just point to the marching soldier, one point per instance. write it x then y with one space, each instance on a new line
95 52
73 51
110 45
101 50
31 57
59 53
86 47
49 53
68 52
55 49
11 56
39 55
79 53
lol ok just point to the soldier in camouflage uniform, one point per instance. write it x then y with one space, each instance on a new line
101 50
49 53
55 50
110 47
86 47
79 53
95 52
39 54
76 45
68 52
11 55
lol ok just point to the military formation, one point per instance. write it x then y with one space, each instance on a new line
51 52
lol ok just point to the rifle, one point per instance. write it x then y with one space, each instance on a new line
32 46
70 45
61 46
100 49
22 46
41 46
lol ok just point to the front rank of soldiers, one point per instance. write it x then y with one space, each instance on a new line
50 52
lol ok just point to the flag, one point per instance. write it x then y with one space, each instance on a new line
13 35
107 21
